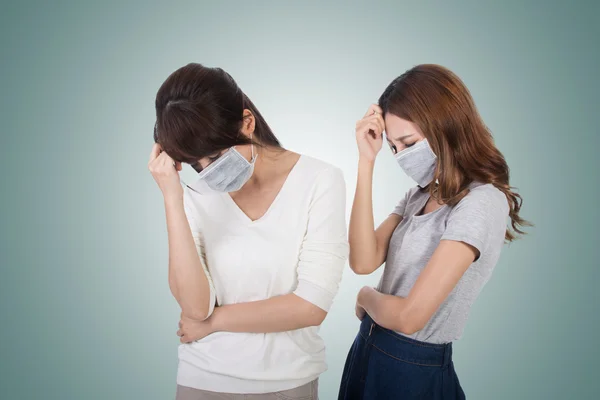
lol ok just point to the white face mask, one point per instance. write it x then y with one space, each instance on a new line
418 162
228 173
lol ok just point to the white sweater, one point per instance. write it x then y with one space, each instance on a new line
299 246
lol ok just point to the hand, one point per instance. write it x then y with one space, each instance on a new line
165 172
191 330
362 298
369 133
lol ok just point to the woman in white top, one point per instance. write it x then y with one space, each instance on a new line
257 244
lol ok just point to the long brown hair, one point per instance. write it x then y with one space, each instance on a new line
439 103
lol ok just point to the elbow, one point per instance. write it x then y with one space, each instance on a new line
359 267
409 328
196 313
314 315
406 317
317 318
410 323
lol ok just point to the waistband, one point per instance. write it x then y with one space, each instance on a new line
404 348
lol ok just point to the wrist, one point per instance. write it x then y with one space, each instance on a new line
173 198
216 320
366 163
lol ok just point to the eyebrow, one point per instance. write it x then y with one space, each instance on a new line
403 137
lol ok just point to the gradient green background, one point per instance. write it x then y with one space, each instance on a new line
85 307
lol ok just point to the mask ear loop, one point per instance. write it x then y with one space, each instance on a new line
252 149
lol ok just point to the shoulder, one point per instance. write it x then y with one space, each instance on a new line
485 206
317 172
414 197
485 196
415 192
195 204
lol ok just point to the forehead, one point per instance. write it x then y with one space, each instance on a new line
396 126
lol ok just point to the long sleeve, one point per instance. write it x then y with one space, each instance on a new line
325 247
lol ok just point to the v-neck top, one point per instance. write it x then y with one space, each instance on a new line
298 246
479 219
244 217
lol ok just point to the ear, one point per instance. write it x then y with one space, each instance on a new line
248 123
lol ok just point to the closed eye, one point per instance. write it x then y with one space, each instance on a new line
211 159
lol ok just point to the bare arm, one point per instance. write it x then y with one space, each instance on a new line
321 262
439 277
478 218
187 279
368 247
277 314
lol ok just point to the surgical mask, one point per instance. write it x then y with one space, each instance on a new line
228 173
418 162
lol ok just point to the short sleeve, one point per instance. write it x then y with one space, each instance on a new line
478 218
400 209
194 222
324 249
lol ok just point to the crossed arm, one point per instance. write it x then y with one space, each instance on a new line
320 264
368 251
439 277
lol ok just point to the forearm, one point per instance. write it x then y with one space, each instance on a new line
392 312
187 279
362 239
277 314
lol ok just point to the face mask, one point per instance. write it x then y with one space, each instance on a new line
228 173
418 162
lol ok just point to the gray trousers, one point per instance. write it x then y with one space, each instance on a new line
310 391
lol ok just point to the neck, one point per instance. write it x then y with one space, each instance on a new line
266 163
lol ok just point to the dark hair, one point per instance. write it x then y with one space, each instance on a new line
199 112
439 103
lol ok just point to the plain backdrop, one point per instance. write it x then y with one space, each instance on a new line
85 308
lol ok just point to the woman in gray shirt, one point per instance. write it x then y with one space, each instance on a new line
439 245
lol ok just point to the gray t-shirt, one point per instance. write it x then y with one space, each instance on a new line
479 219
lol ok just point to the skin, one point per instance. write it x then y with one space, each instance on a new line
187 281
368 246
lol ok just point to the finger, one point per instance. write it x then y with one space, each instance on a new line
377 109
372 129
179 333
156 149
166 160
373 108
380 122
378 119
375 117
366 124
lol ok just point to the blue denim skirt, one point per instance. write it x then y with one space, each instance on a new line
383 365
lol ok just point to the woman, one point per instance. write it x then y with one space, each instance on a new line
268 224
439 245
